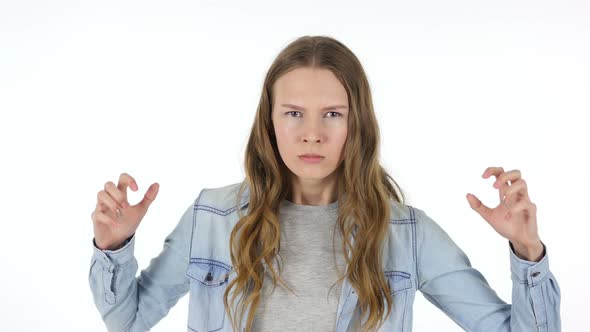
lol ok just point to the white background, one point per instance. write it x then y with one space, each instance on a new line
167 91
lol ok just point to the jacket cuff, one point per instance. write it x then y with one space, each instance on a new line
117 257
528 272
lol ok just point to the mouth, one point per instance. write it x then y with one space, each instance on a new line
311 155
311 158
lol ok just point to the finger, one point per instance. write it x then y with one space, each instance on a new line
501 178
150 195
524 206
113 214
505 181
495 171
101 217
118 195
479 207
107 200
516 192
126 180
492 171
511 176
527 208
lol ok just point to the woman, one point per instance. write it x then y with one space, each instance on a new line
313 175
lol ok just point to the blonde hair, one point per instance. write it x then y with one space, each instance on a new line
364 189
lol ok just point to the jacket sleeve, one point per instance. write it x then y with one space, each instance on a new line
127 303
446 279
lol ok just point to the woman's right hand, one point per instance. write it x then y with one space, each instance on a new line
110 228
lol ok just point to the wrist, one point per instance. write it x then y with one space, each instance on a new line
531 252
111 247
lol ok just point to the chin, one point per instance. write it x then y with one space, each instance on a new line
313 175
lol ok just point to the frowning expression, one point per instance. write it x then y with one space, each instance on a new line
310 116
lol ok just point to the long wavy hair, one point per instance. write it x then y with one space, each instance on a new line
364 190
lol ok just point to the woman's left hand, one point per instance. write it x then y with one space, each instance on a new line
515 217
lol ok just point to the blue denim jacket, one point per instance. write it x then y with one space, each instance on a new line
419 255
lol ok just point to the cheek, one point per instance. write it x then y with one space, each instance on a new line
341 143
288 127
285 133
340 137
284 138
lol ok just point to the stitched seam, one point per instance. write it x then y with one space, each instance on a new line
414 246
214 210
401 221
541 281
206 261
525 282
195 220
543 303
519 280
397 273
119 266
342 311
404 315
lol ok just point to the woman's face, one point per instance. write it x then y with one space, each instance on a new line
310 115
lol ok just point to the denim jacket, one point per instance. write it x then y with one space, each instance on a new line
418 255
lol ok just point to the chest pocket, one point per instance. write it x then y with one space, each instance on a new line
208 281
399 284
398 281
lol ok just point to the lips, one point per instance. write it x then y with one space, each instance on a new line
311 158
311 155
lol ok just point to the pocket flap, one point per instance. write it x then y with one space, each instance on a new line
398 280
208 272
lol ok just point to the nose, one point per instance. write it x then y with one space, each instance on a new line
312 132
311 138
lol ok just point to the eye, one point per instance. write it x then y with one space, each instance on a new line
335 116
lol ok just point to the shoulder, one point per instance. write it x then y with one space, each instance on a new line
401 213
406 213
409 214
222 200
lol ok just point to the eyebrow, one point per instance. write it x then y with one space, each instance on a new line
299 108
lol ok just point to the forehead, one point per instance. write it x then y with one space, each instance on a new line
310 85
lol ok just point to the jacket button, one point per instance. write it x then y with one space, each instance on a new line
209 277
536 273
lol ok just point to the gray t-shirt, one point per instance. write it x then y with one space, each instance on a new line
307 268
